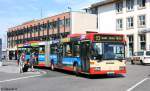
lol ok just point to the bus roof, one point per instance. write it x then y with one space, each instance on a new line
95 37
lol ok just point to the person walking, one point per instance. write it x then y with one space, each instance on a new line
36 57
21 62
32 61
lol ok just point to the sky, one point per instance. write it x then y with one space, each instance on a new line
15 12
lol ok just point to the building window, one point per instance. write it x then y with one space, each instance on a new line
131 44
142 42
119 7
49 25
119 24
141 21
130 22
61 23
67 22
55 24
141 3
129 5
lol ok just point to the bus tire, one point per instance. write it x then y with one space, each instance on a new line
132 62
75 69
142 62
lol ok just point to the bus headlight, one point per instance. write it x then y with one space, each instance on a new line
122 68
92 63
97 68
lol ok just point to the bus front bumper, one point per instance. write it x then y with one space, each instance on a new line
103 72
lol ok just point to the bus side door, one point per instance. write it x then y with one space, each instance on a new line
84 55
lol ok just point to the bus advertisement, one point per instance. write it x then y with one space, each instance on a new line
92 54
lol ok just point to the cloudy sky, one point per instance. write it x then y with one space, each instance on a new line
14 12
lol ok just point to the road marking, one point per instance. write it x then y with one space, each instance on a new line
19 78
134 86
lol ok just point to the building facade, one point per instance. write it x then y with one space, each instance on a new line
129 17
51 28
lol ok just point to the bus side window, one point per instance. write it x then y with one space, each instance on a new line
76 50
52 50
68 49
42 50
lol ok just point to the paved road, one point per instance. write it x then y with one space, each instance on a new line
62 81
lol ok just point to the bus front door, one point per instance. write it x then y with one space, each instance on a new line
60 56
84 55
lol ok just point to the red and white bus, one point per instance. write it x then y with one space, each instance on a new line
92 54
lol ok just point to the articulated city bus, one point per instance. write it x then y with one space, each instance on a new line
91 53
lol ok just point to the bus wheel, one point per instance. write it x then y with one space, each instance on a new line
52 67
141 62
75 69
132 62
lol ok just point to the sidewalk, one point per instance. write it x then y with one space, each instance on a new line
12 67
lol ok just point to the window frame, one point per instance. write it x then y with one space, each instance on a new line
128 24
129 6
141 22
119 6
118 25
140 4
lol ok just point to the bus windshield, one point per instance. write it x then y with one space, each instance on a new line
107 51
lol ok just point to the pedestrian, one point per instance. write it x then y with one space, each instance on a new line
21 62
18 59
32 61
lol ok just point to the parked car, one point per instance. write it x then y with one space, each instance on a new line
142 57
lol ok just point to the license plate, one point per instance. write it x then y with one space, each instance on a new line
109 62
110 72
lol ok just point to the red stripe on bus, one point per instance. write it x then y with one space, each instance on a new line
41 64
68 68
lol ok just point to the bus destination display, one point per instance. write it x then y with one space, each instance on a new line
108 38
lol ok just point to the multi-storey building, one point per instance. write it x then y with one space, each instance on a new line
51 28
129 17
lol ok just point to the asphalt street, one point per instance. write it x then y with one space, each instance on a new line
136 79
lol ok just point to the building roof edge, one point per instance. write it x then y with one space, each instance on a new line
101 3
